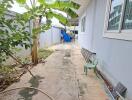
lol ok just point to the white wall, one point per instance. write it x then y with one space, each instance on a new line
85 38
50 37
114 55
56 35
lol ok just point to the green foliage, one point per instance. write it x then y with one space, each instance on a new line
26 60
59 16
42 1
11 36
21 1
41 28
6 69
48 10
67 7
13 31
63 4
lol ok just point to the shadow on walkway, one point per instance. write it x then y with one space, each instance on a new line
27 94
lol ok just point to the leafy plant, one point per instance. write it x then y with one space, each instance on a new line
47 10
13 31
6 69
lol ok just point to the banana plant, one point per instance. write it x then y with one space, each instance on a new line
48 9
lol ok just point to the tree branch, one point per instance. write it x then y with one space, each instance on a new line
19 62
28 88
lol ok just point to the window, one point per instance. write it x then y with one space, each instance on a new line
127 22
83 24
119 19
115 14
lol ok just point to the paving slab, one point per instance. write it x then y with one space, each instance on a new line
61 77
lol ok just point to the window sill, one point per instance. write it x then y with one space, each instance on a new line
119 36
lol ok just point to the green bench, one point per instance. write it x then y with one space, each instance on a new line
90 58
90 65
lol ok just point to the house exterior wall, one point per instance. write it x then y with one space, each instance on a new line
50 37
85 38
114 55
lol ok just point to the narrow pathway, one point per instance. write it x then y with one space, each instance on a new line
61 77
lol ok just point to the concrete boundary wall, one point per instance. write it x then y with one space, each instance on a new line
50 37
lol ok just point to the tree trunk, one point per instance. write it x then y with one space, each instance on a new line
35 51
35 44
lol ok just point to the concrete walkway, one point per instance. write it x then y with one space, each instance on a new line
61 77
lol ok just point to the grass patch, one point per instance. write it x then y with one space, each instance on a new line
6 69
44 53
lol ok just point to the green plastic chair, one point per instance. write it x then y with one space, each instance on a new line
91 65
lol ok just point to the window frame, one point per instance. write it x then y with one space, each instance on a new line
125 34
